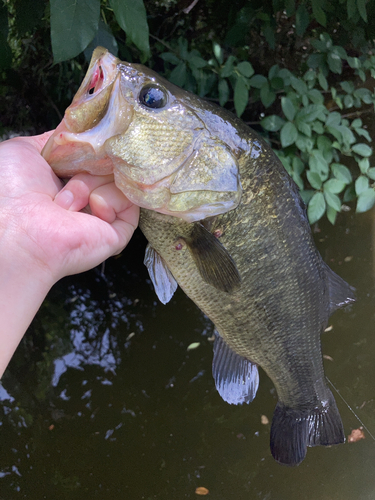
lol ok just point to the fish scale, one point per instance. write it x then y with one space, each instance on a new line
225 222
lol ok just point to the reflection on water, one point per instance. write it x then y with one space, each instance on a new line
103 399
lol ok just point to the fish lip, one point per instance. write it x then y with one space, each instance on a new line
96 136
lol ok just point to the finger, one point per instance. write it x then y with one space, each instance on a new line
125 225
38 141
107 201
76 194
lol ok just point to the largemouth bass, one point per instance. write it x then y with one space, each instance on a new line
224 221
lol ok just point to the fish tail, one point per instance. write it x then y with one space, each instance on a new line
293 430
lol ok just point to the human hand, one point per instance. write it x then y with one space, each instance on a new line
51 232
44 237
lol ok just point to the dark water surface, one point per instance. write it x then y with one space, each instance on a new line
103 399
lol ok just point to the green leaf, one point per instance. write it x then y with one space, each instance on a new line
361 184
349 194
361 6
371 173
332 200
364 95
245 68
334 62
354 62
218 52
351 8
303 127
366 200
74 24
318 12
258 81
302 20
357 123
364 165
196 61
170 57
347 135
288 134
362 149
306 195
318 163
182 47
267 96
290 6
132 18
316 207
273 72
272 123
304 143
341 173
347 87
223 91
315 96
179 74
298 165
322 81
311 112
334 186
317 127
103 38
298 180
228 67
363 132
348 101
288 108
241 96
299 85
286 75
333 119
277 83
314 179
269 35
331 215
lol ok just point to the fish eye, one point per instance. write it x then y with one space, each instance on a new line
153 97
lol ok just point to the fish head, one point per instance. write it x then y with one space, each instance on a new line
127 120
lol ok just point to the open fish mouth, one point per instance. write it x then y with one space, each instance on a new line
98 112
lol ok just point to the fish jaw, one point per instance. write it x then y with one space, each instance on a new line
98 112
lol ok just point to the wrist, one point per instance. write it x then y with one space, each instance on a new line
23 287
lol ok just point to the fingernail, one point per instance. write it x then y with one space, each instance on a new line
64 199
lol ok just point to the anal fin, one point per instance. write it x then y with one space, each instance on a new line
236 378
164 283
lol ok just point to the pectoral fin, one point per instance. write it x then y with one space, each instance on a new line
213 261
236 378
164 283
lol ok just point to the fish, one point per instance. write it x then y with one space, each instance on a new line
226 223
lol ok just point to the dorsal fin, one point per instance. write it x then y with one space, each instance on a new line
340 293
236 378
164 283
213 261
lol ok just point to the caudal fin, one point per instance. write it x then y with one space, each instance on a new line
293 430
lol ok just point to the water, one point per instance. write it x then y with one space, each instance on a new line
103 399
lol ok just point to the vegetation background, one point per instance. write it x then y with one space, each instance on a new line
298 71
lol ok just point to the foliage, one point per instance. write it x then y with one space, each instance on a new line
273 63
